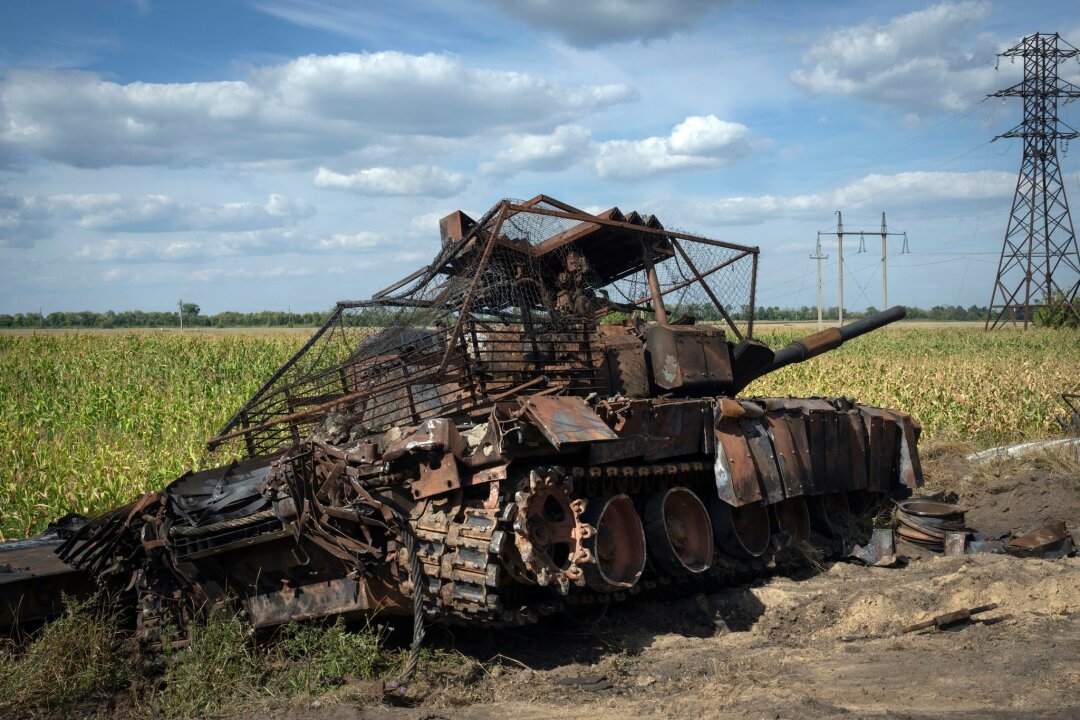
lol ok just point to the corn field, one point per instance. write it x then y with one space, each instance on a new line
90 421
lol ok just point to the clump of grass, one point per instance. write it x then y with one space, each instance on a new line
314 658
81 656
221 671
214 674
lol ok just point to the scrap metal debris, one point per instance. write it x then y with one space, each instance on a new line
950 619
926 523
1050 542
880 551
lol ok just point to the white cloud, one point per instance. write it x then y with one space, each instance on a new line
250 243
342 241
118 250
426 225
22 220
696 142
699 141
308 108
928 60
555 151
591 23
414 180
159 213
908 189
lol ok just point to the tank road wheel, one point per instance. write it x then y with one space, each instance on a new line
679 533
549 531
618 545
741 532
791 519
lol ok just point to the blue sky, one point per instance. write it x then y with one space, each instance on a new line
279 154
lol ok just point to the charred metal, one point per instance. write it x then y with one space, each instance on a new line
542 416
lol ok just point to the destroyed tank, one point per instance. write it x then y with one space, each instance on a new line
547 415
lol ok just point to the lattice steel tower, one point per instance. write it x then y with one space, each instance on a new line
1040 262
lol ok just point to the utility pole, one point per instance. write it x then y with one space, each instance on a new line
839 233
819 257
840 253
885 233
180 305
1039 256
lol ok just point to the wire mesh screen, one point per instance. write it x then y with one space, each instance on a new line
510 304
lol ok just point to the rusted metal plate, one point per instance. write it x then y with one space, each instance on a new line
688 357
835 463
676 428
907 464
875 462
789 441
815 439
884 449
623 365
857 446
736 477
33 581
761 448
1040 541
567 420
307 602
436 477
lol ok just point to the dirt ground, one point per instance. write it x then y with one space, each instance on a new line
824 645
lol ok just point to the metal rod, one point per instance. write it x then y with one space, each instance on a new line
659 311
464 311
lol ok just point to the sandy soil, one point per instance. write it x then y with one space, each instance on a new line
820 646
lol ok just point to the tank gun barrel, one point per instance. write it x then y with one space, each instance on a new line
832 338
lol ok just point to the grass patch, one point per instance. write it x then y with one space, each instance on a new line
221 671
81 656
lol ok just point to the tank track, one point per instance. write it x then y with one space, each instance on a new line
472 574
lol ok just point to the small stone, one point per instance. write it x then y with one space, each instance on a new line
316 704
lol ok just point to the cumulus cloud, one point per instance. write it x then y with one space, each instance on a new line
250 243
699 141
924 61
159 213
311 107
22 220
555 151
414 180
696 142
591 23
426 225
908 189
343 241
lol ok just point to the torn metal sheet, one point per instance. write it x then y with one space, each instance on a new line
1050 542
879 552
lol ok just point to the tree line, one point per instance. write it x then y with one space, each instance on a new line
193 317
